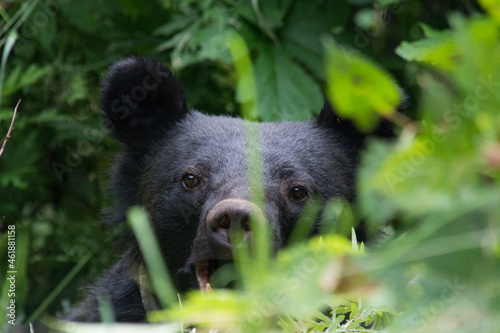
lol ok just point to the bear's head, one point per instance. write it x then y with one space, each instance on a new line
189 170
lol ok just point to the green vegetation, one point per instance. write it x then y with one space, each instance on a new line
435 190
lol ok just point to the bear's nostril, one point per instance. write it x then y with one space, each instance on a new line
223 225
224 222
229 222
245 224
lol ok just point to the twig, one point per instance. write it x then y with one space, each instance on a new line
403 121
4 140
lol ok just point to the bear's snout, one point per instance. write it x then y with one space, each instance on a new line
230 218
227 226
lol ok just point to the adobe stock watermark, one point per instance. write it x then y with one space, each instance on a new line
11 275
449 294
453 118
121 107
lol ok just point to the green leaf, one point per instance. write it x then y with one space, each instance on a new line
323 317
43 30
9 45
20 160
305 23
337 217
22 77
199 39
358 88
266 15
354 309
274 11
387 320
366 18
175 24
158 273
492 7
89 16
354 240
438 50
376 207
246 92
285 90
336 323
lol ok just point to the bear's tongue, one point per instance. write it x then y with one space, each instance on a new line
203 271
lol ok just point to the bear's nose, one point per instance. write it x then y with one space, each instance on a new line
229 218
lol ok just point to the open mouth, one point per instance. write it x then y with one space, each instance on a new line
205 269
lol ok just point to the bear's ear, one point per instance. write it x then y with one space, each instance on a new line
141 98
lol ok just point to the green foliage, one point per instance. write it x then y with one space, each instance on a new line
450 154
442 183
160 279
246 93
438 49
358 88
437 184
199 33
276 291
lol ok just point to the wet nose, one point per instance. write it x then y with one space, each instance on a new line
231 216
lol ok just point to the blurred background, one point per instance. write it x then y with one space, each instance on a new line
55 167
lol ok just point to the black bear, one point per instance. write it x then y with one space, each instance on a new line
189 172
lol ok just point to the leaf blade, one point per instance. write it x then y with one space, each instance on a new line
358 88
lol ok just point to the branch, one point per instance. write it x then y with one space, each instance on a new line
4 140
402 121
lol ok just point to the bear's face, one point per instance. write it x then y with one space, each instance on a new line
190 171
195 183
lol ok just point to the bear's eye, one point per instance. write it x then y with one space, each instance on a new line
298 193
190 181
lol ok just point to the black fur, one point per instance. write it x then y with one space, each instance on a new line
141 98
165 141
